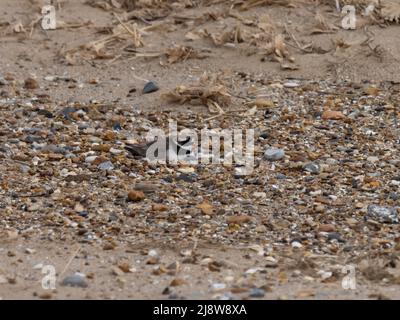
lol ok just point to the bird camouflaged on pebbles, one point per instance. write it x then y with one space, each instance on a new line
140 150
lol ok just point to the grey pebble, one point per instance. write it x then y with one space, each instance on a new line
75 280
274 154
281 176
257 293
312 168
3 81
383 214
105 166
150 87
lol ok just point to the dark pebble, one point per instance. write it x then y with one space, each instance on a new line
117 127
264 135
281 176
150 87
187 177
335 236
394 196
46 113
257 293
84 214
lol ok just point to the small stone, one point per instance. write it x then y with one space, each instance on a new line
31 83
150 86
152 253
274 154
186 170
29 251
117 127
45 295
260 229
312 168
335 236
107 165
264 135
260 194
239 219
34 207
116 271
177 282
332 115
372 159
326 228
115 151
290 84
38 266
3 81
394 196
319 208
187 177
146 187
159 207
136 196
75 280
90 159
206 208
218 286
257 293
296 245
3 279
109 135
383 214
324 274
109 246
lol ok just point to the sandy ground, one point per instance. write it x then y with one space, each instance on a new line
212 269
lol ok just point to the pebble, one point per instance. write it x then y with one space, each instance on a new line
3 81
383 214
324 274
187 177
75 280
257 293
281 176
394 196
312 168
31 83
264 135
90 159
147 187
107 165
373 159
274 154
150 86
218 286
296 245
335 236
260 194
290 84
136 195
117 127
115 151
